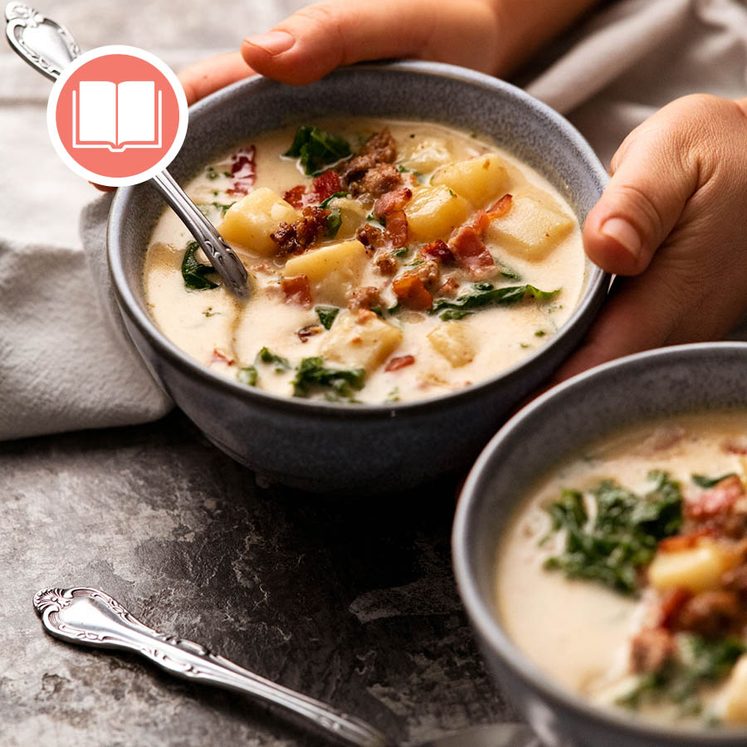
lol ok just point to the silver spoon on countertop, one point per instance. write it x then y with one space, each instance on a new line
92 618
48 48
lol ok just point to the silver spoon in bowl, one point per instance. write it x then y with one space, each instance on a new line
90 617
48 48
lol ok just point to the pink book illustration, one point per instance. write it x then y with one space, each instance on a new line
117 116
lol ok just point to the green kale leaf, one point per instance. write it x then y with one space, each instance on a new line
195 273
265 355
622 536
248 375
327 315
337 383
703 481
485 294
317 149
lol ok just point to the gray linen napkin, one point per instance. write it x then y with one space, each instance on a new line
64 361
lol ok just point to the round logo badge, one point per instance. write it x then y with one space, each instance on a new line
117 115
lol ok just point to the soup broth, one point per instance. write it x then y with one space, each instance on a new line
624 574
389 261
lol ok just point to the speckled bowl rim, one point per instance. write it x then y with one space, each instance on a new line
597 280
484 619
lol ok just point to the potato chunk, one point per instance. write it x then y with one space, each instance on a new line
433 212
352 216
429 153
250 221
734 699
530 229
360 340
451 340
479 180
697 568
333 271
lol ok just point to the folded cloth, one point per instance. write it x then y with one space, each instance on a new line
65 363
64 360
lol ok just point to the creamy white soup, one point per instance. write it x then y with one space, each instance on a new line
624 575
388 261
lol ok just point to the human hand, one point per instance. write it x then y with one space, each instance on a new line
493 36
671 222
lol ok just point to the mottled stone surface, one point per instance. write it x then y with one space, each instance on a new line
352 602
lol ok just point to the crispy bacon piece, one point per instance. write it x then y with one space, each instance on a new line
364 298
325 185
295 196
396 228
471 253
670 606
391 201
401 361
220 356
297 289
449 288
439 250
736 445
682 541
411 292
719 499
651 649
309 331
390 208
498 209
501 206
243 170
294 238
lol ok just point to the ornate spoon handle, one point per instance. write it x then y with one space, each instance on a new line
48 48
92 618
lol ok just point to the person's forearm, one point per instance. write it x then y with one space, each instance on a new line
526 25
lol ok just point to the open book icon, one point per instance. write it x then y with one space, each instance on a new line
117 116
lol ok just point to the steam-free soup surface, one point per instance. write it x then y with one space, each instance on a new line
415 261
624 575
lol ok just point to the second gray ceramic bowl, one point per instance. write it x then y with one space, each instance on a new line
688 378
337 448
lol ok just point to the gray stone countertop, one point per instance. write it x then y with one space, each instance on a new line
350 601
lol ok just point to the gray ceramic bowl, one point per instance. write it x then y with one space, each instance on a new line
328 447
687 378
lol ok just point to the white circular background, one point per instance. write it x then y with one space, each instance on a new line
123 181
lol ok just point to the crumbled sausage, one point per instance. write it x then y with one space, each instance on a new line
429 271
380 148
386 263
294 238
650 650
364 298
377 180
370 236
710 613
